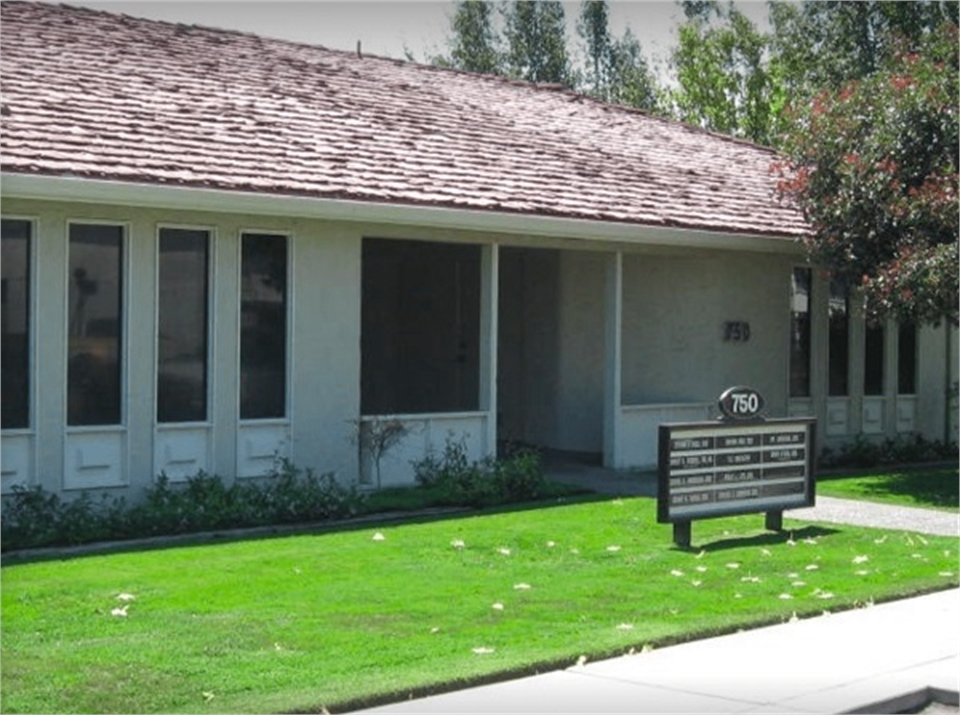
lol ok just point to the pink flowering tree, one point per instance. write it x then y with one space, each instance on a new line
873 167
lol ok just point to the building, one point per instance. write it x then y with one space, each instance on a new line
219 249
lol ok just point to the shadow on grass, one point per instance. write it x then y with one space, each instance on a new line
939 489
771 538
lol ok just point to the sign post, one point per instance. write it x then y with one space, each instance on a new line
741 464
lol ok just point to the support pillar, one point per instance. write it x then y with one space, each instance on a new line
489 335
613 325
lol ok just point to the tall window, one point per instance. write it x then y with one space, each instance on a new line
95 326
15 324
839 339
873 361
263 326
907 360
182 325
800 333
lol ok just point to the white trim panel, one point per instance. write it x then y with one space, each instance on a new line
180 452
260 446
16 460
838 417
639 430
95 458
427 434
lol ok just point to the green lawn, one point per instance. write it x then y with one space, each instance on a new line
937 488
312 621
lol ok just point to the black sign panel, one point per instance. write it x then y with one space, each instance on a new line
712 469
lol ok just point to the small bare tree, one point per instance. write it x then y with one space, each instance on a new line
376 437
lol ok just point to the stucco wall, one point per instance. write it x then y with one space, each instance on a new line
323 362
674 310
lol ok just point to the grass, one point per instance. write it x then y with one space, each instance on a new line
935 489
347 618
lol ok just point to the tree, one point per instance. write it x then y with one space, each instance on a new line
536 42
616 70
631 81
593 28
723 82
821 45
873 166
474 45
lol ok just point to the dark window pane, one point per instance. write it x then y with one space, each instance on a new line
94 333
839 340
873 361
420 327
15 324
907 360
800 333
263 326
182 318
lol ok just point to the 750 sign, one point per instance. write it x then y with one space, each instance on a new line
741 403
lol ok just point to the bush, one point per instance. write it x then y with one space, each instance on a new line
904 449
460 482
33 518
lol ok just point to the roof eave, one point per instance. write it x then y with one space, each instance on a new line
144 195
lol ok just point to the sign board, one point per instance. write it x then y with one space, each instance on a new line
711 469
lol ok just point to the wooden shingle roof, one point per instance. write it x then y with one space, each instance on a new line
105 96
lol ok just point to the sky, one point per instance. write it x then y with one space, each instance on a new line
383 27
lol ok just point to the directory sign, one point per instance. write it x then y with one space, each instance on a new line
709 469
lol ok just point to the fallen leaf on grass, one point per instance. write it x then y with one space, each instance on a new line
625 627
613 548
860 559
503 550
497 606
785 596
126 597
208 696
582 660
483 650
458 544
119 612
522 587
379 537
676 572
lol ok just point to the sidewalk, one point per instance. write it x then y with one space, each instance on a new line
888 658
894 657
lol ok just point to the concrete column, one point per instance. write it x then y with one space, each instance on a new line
489 294
891 360
613 325
819 349
857 349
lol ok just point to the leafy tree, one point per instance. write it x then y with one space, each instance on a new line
821 45
723 81
593 28
474 46
873 166
616 70
632 83
536 42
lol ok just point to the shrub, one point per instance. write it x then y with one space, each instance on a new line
461 482
33 517
904 449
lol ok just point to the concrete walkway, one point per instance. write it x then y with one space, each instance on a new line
887 658
885 516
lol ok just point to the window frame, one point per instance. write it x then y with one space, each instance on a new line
290 352
211 322
124 349
32 305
